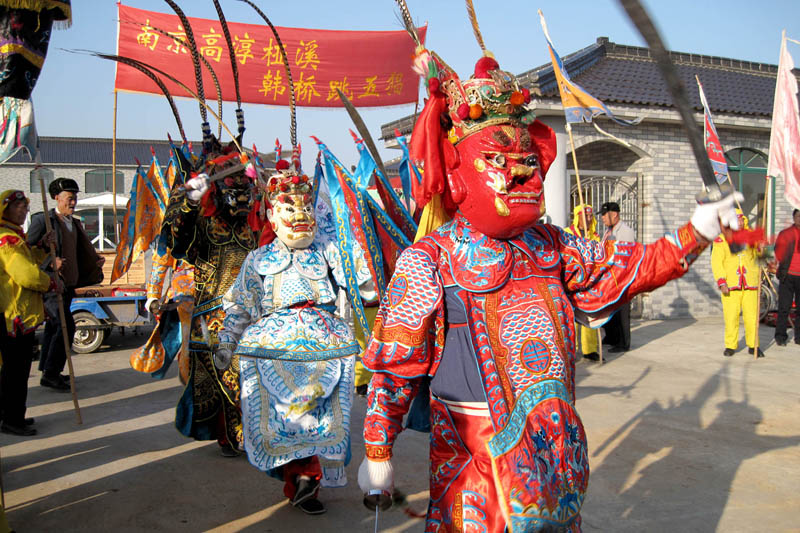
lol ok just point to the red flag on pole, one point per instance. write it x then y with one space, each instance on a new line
713 145
784 141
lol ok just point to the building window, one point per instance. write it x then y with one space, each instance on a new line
46 174
99 180
748 171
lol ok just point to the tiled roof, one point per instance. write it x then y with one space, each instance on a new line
89 152
622 74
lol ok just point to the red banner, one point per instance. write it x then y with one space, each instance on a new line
373 68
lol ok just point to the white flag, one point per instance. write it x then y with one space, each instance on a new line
784 141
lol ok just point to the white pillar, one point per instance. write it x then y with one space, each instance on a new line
556 186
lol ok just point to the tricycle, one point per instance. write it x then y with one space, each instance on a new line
95 315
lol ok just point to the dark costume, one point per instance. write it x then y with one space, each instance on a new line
215 244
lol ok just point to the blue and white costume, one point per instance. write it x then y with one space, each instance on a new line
296 356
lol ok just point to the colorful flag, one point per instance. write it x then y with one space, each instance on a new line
579 105
713 145
122 261
784 156
142 223
351 229
368 174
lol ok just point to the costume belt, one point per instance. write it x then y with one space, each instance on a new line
466 408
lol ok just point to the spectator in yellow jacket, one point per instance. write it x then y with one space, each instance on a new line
737 278
589 337
22 284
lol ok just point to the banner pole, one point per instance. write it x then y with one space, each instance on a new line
585 222
114 173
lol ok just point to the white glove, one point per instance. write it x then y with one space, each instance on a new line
152 305
709 219
376 475
222 357
197 187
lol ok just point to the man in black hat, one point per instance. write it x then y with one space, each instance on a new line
81 266
618 328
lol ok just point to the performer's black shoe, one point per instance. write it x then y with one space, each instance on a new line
55 384
780 342
751 351
22 431
728 352
617 349
312 506
306 488
226 450
592 356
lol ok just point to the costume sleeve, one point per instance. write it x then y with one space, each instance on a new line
242 302
19 266
180 226
601 276
402 347
36 230
720 252
363 277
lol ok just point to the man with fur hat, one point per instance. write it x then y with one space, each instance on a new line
484 307
82 266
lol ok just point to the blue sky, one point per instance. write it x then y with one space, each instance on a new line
74 95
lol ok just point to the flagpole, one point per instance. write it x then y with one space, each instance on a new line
760 272
585 231
114 172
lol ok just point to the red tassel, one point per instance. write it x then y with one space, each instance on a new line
426 145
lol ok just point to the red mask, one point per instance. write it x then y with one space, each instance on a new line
497 182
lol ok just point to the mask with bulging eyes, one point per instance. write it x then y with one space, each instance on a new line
497 182
236 196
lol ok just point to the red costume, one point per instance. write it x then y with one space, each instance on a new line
484 307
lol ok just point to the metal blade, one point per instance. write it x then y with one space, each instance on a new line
676 89
363 131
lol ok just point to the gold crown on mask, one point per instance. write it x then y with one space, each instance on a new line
490 96
287 182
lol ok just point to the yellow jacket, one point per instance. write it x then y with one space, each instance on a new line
592 234
738 271
21 281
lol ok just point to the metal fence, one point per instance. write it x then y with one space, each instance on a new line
600 186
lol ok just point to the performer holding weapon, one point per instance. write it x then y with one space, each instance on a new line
484 307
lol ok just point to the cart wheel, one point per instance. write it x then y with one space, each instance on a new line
86 340
769 301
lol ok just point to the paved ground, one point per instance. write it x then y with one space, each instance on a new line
681 439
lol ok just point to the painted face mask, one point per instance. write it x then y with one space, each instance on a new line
481 148
236 195
498 183
292 213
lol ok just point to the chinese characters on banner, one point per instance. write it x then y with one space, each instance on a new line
373 68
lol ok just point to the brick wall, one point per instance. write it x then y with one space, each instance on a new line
669 181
